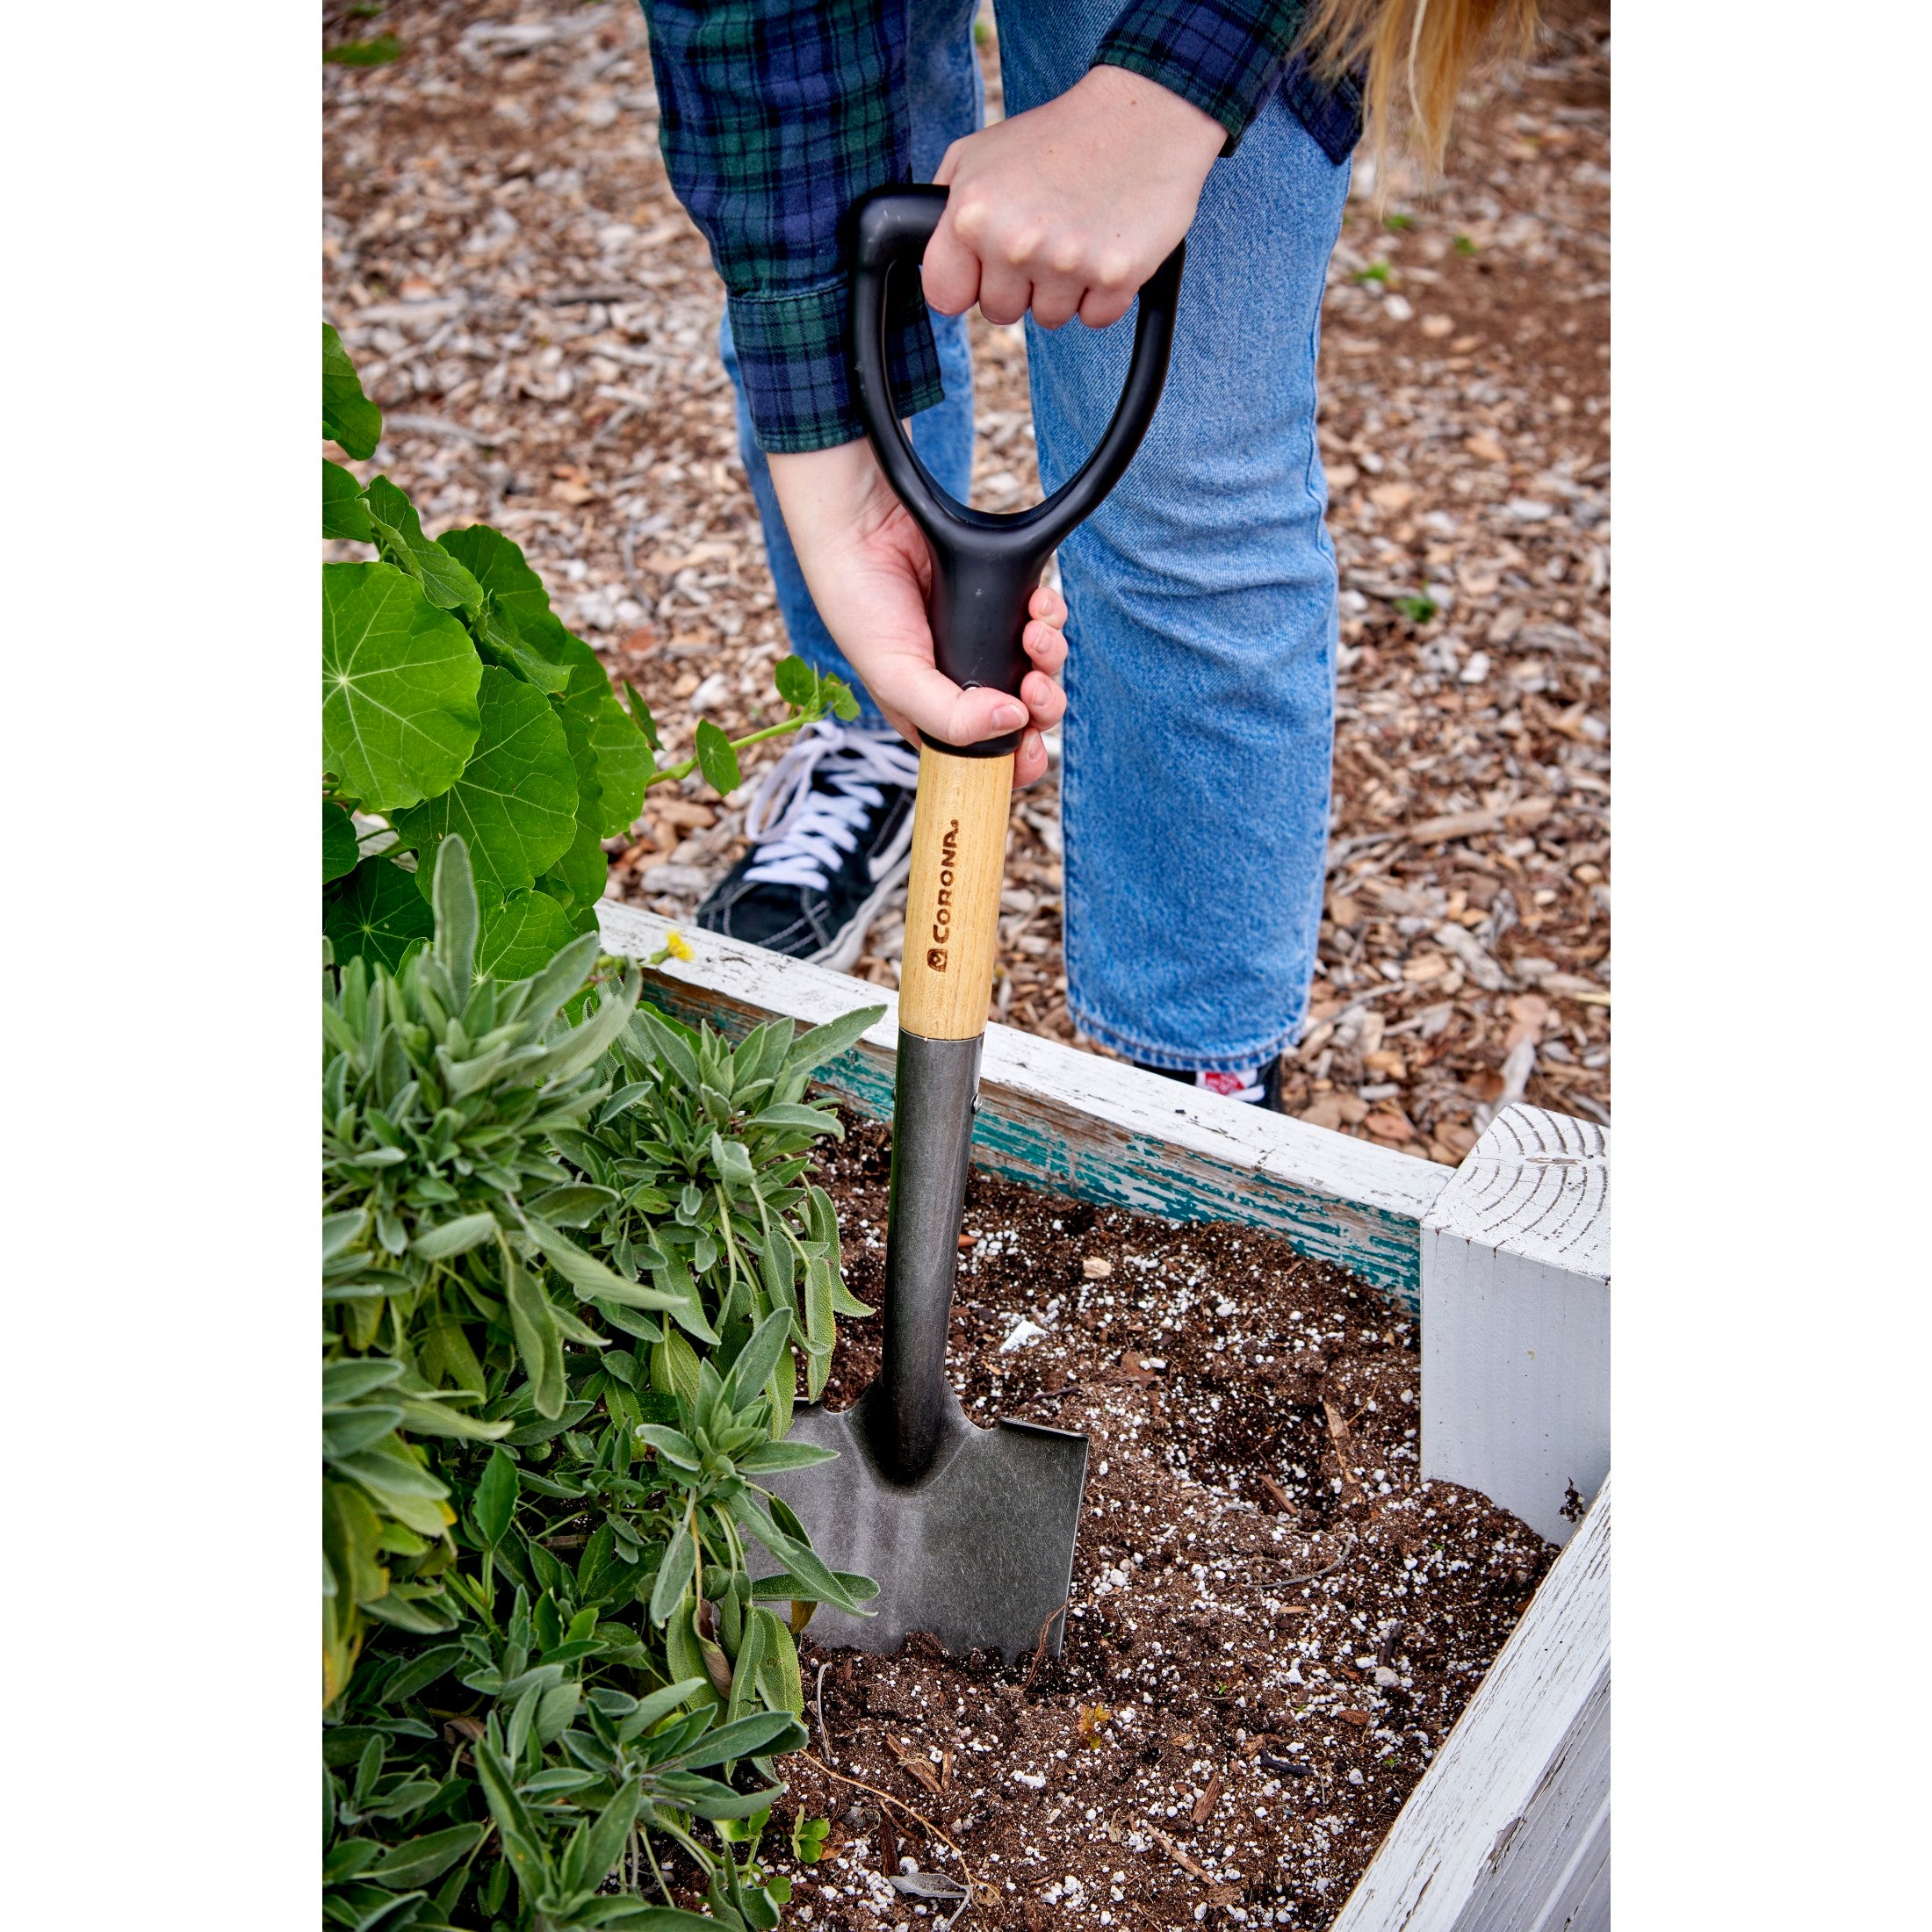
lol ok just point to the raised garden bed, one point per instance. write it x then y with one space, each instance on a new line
1292 1657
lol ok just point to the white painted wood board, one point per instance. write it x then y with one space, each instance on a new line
1515 1318
1095 1129
1508 1828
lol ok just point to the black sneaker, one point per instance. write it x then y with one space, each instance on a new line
832 836
1257 1086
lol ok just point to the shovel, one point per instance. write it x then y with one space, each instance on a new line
969 1531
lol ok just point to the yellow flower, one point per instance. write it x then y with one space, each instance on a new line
677 946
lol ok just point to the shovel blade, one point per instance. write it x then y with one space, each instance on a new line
978 1551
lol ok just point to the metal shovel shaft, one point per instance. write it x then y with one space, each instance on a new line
936 1091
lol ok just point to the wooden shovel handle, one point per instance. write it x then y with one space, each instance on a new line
952 900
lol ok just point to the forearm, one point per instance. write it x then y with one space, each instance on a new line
1225 57
774 119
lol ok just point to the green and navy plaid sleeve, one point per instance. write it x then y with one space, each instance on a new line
774 119
1229 57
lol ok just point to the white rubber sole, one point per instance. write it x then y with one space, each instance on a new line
843 954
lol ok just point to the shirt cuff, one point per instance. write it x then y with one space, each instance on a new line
794 355
1226 56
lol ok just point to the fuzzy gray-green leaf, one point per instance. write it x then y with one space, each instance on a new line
453 896
494 1503
589 1276
812 1049
674 1574
454 1237
537 1342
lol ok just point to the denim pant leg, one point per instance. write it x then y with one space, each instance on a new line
947 100
1201 676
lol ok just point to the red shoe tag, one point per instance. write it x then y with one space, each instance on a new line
1225 1082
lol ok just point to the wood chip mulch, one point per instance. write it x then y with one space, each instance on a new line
538 317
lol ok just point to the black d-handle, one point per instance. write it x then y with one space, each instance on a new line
985 566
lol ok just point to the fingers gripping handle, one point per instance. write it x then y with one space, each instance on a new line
986 566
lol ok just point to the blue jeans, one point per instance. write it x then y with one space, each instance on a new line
1200 669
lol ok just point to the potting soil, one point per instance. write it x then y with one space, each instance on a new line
1274 1620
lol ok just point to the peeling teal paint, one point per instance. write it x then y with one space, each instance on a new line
1135 1172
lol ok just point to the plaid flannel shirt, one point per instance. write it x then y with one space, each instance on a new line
776 117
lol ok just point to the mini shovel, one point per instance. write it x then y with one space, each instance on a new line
969 1531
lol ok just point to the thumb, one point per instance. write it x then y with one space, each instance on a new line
930 700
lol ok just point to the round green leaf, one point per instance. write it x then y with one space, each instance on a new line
518 599
379 912
624 763
339 851
575 719
578 878
348 417
344 513
524 938
400 682
797 683
515 803
518 592
398 529
716 758
641 720
501 643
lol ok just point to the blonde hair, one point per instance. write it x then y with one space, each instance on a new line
1417 53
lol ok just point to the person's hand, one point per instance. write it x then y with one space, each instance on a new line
1067 208
868 570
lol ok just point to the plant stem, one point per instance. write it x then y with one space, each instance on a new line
673 772
700 1856
731 1541
730 1245
697 1550
643 1839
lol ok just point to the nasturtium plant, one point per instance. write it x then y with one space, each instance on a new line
572 1264
348 417
399 686
455 701
515 802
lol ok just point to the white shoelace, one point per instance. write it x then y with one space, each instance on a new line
805 832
